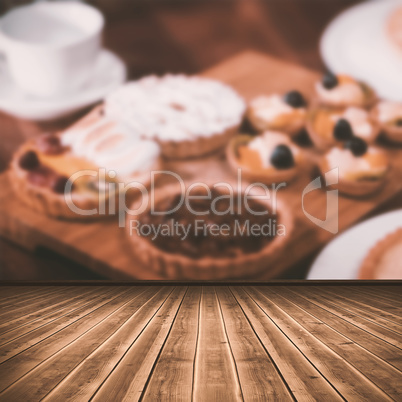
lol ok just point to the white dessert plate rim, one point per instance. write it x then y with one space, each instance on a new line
342 257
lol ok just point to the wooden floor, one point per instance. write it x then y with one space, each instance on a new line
109 343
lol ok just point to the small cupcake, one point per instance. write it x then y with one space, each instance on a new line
342 91
361 168
389 117
268 158
275 112
328 127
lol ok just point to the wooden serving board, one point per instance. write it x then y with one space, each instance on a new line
103 247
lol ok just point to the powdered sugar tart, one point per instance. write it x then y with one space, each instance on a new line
330 126
384 261
270 157
286 113
359 169
207 237
389 117
187 116
83 164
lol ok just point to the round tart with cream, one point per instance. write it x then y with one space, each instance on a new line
276 112
384 261
328 127
210 233
389 117
342 90
270 157
71 174
358 168
394 28
188 116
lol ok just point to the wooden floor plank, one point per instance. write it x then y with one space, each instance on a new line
385 333
259 378
83 381
381 373
128 379
334 319
18 345
172 377
179 343
9 299
35 305
32 315
348 381
303 379
50 372
215 375
338 299
55 312
18 365
381 294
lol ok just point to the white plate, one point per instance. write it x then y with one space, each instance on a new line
108 74
356 43
342 257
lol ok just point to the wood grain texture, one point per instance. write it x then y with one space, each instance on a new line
250 73
166 343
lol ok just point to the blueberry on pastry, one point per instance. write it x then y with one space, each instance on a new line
389 117
343 90
85 164
275 112
358 168
328 127
270 157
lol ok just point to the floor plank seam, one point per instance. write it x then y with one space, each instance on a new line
311 363
58 351
350 323
265 348
127 350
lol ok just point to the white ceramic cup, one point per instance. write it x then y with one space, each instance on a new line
51 47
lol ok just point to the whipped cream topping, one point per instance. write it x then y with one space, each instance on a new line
111 145
389 111
269 108
350 167
175 107
348 92
265 144
359 120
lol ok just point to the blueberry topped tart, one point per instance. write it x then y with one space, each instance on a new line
270 157
285 113
210 232
389 117
343 90
328 126
358 168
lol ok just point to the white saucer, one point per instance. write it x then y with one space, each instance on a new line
355 43
342 257
108 74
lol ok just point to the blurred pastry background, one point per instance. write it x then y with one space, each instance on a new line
142 37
